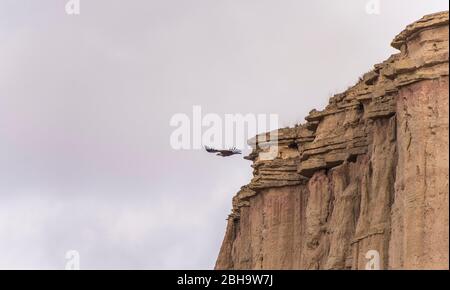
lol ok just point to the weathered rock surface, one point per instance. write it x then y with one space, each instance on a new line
370 172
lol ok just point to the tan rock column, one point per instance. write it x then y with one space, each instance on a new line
420 214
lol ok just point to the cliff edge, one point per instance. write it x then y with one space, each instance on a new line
368 174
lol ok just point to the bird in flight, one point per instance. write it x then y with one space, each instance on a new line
223 153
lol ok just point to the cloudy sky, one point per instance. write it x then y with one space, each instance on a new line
86 100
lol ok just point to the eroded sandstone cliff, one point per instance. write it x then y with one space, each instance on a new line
370 172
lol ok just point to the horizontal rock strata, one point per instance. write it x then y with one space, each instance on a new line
367 173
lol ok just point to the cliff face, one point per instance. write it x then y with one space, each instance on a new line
368 173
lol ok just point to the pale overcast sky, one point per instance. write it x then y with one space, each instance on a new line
85 105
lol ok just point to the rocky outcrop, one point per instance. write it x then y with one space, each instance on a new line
367 173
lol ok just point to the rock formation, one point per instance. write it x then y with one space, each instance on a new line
368 173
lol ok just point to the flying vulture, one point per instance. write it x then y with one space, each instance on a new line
223 153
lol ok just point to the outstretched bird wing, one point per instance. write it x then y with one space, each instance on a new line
235 151
230 152
223 153
211 150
